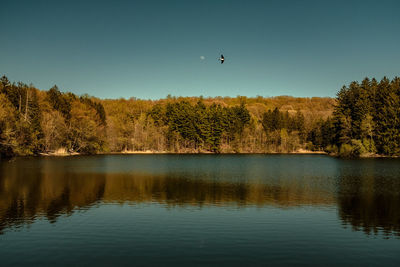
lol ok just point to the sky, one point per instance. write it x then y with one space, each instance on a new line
150 49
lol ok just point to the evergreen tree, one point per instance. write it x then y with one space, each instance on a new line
60 102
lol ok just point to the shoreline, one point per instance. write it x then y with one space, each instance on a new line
148 152
151 152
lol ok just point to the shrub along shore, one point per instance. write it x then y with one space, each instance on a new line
364 120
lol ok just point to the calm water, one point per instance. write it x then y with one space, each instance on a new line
199 210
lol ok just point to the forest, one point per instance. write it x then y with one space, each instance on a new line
363 120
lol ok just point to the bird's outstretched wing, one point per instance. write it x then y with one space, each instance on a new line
222 57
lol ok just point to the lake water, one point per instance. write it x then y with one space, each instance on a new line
215 210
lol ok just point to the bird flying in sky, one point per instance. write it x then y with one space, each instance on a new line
222 59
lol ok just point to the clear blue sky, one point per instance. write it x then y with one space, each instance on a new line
149 49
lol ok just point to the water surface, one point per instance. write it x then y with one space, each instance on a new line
200 210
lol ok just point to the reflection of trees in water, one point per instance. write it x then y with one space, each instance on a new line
26 193
370 202
202 190
46 191
366 201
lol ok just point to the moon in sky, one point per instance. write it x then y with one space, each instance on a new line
202 57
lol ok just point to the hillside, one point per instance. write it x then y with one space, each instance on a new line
34 121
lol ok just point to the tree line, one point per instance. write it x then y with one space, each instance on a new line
34 121
362 120
366 119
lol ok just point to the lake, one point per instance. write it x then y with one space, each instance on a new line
214 210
